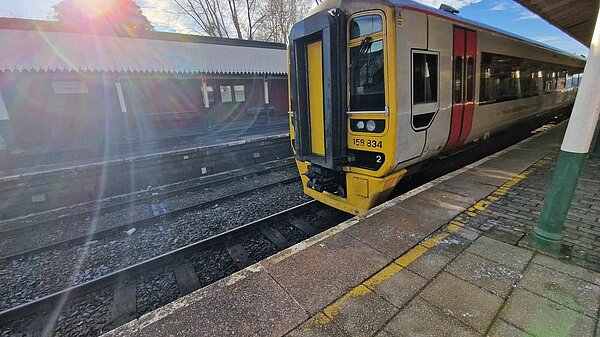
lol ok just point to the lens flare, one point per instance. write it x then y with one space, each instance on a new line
95 9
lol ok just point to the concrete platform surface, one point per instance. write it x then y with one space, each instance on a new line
414 266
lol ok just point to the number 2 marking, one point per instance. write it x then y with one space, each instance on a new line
378 159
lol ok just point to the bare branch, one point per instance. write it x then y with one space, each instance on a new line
267 20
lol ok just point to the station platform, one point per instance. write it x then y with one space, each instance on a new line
446 259
51 157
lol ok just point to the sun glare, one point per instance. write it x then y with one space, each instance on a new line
95 9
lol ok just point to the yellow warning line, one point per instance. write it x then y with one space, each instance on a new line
484 203
369 285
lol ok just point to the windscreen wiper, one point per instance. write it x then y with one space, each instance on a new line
365 45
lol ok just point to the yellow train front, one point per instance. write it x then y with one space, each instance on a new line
377 87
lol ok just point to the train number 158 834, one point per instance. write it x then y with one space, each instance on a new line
368 143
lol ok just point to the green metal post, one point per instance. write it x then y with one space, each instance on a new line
547 235
596 147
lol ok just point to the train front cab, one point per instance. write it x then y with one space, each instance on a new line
343 107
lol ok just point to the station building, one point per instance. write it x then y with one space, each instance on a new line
62 87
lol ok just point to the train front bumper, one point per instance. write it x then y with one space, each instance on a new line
362 192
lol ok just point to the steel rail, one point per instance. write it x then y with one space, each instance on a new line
140 222
49 301
105 209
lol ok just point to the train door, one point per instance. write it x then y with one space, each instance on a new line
463 86
316 86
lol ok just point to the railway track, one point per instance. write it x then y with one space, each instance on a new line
152 194
140 223
122 282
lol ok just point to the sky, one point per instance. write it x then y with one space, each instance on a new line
504 14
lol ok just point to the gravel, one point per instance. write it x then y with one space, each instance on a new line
91 206
324 219
258 247
41 274
69 230
38 275
293 234
155 290
89 315
212 265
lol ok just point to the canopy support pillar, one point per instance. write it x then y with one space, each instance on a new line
547 235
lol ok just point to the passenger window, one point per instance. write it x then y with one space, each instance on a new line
367 89
425 78
365 25
506 78
458 77
470 78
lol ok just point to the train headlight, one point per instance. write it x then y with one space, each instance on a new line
367 125
371 125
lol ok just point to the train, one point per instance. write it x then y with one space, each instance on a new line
377 88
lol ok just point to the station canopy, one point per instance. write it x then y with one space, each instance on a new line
40 46
574 17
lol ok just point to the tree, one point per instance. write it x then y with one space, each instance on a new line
206 15
282 14
116 16
267 20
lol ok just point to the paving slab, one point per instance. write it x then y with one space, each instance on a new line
401 287
541 145
463 301
439 204
506 235
316 327
502 329
437 257
575 271
361 312
420 318
321 273
491 276
542 317
516 159
394 230
469 234
467 185
551 139
498 174
500 252
253 306
495 176
571 292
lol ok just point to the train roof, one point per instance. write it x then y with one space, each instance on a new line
412 5
476 24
